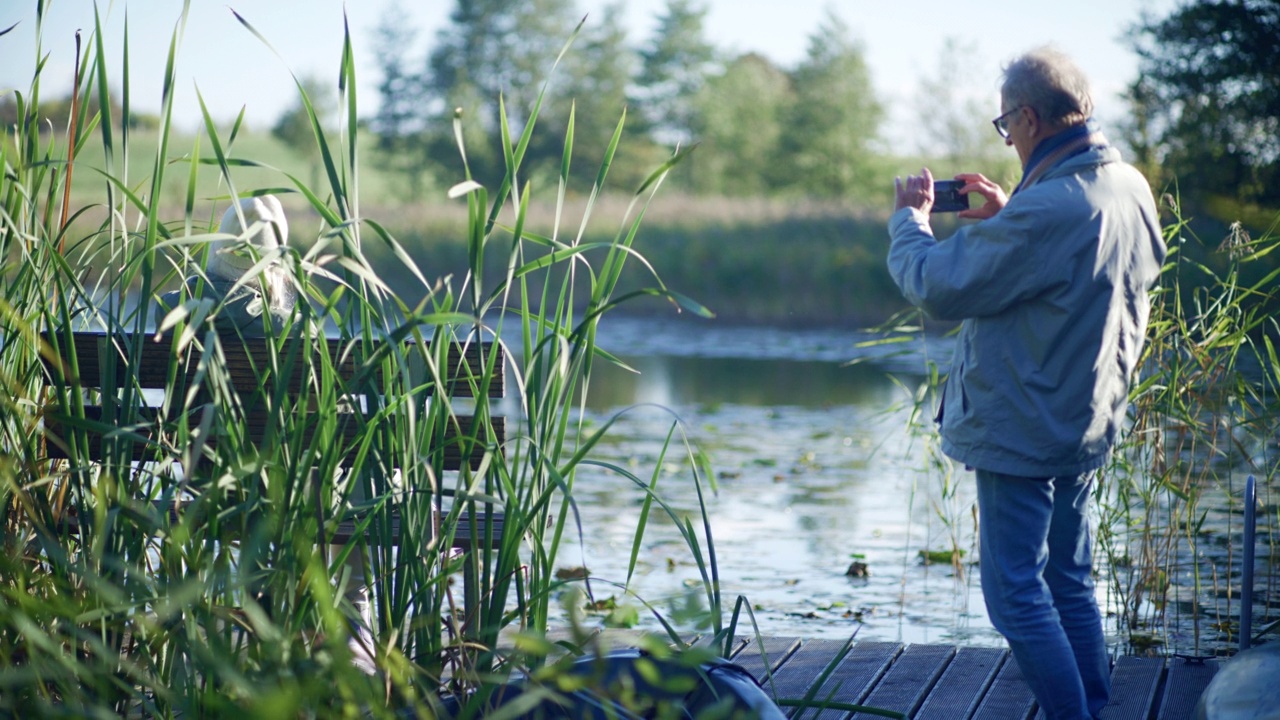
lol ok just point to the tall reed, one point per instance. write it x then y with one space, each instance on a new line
1205 415
233 603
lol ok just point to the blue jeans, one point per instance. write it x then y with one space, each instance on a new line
1037 582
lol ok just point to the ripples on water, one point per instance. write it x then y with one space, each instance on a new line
816 468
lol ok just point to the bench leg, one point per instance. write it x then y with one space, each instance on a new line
470 592
472 568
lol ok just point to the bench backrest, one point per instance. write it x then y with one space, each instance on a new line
115 368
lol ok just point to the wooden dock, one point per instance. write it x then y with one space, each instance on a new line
942 682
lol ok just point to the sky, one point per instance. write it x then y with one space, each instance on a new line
233 69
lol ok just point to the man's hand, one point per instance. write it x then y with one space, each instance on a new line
996 199
916 192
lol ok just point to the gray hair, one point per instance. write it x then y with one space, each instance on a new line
1048 81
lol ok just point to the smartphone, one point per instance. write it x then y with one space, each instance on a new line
947 196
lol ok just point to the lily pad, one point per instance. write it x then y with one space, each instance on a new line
941 557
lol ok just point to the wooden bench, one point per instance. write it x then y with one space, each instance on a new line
98 416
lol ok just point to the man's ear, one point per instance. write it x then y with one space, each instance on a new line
1035 124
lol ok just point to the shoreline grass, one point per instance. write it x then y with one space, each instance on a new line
229 606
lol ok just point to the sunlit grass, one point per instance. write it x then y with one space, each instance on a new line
231 605
1205 417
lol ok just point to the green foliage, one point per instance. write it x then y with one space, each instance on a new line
1204 416
833 124
954 131
293 127
799 270
740 125
1209 74
53 114
1138 131
398 87
749 260
760 129
593 83
399 124
493 49
226 606
491 62
674 65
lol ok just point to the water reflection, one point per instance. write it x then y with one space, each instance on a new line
677 382
816 467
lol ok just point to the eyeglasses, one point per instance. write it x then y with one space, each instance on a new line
1002 122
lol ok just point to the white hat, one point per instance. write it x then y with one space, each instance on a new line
272 232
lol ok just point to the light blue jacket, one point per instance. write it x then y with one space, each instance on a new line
1052 292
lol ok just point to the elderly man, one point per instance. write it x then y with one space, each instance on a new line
1051 285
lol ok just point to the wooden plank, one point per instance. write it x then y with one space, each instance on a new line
709 642
776 650
1133 688
963 684
62 430
1009 697
909 679
488 532
101 358
853 678
941 682
1186 682
802 669
89 360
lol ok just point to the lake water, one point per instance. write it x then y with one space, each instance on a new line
816 468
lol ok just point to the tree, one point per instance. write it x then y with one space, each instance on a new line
400 89
673 66
293 127
1138 131
1214 78
740 115
400 124
495 50
835 121
953 117
595 77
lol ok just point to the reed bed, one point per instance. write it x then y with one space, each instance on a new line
233 605
1206 415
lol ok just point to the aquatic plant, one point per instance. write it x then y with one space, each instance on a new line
1204 416
238 608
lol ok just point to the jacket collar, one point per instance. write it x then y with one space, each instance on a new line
1053 150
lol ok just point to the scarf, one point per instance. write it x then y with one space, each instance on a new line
1065 144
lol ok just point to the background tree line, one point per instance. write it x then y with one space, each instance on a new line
761 129
1204 120
1204 126
1205 109
806 143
